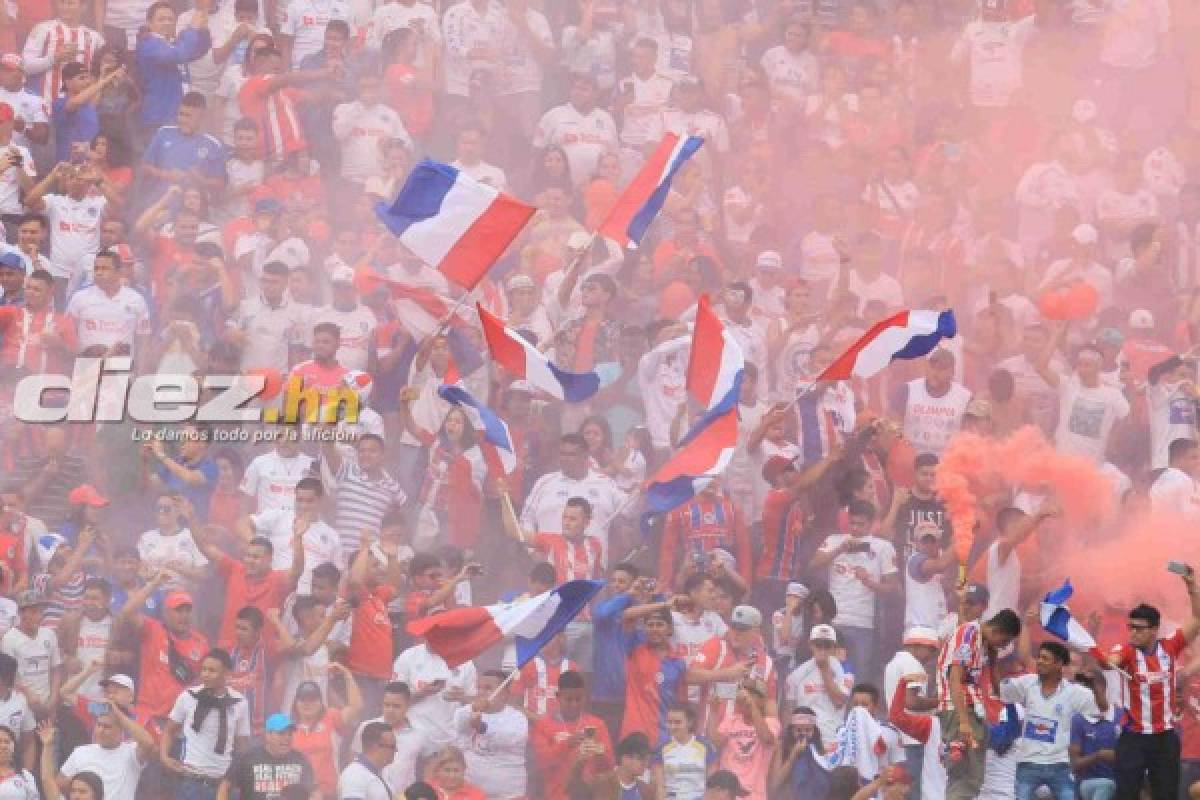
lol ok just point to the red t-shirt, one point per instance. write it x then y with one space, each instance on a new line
413 103
468 791
16 322
554 755
157 686
416 604
370 651
269 591
317 743
572 560
275 113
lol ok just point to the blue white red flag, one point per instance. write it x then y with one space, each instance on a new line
453 222
1057 620
516 354
703 455
641 201
904 335
483 419
462 634
716 363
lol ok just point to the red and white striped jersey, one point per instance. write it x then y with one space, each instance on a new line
46 39
717 654
275 112
537 685
1147 690
967 649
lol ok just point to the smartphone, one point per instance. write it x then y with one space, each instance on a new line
1178 567
97 709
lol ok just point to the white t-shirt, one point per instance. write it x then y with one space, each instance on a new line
172 552
359 783
104 320
412 744
496 756
1086 417
806 687
995 50
484 173
584 137
464 29
792 76
36 657
522 72
1176 492
271 480
642 122
357 327
361 129
10 200
26 106
74 232
883 288
119 769
902 665
199 747
306 20
1172 413
419 667
321 545
855 602
1046 728
270 331
16 715
391 16
1003 580
19 786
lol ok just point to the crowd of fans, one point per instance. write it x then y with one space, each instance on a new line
219 608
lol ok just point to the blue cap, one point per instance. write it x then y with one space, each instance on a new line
267 205
278 723
12 260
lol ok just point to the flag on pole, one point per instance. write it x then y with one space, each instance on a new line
483 419
453 222
1057 620
516 354
641 201
461 634
904 335
703 455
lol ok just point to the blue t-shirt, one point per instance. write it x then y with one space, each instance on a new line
1092 735
80 125
199 495
608 649
173 149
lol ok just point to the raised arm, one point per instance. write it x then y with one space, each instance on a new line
139 735
49 770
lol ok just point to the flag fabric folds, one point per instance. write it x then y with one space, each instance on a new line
461 634
902 336
483 419
453 222
641 201
1057 620
516 354
716 363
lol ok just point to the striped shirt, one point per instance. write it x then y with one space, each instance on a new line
361 502
60 601
46 39
1147 692
50 504
966 649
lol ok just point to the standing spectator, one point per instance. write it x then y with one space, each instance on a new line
31 124
302 32
182 154
821 683
1094 740
932 407
746 738
119 754
53 44
268 771
214 722
35 648
493 737
75 216
362 779
362 126
161 58
583 130
17 170
559 738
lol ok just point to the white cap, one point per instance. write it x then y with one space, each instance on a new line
797 589
745 617
342 274
578 240
1141 319
1085 234
822 633
769 259
119 680
920 634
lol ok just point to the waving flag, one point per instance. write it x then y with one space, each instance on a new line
453 222
483 419
513 351
703 455
1057 620
904 335
637 207
716 363
461 634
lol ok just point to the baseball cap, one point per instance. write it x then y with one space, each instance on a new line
822 633
725 780
1141 319
769 259
921 634
578 240
520 282
1085 234
976 594
86 495
12 260
119 680
776 466
745 617
12 61
6 113
278 723
342 274
797 589
30 598
178 600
